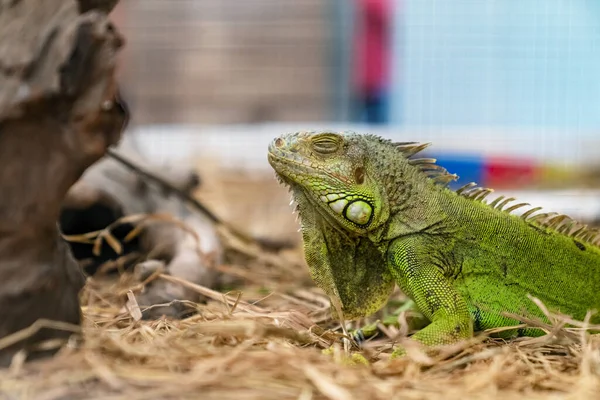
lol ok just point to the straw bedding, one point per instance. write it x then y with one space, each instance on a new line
271 337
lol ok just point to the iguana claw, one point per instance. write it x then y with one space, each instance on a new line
366 332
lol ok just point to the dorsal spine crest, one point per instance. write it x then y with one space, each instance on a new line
559 223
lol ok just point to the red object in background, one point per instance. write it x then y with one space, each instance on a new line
371 44
508 173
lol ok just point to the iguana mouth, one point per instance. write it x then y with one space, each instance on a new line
286 163
279 165
290 169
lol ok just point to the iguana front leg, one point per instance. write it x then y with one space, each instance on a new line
414 319
418 274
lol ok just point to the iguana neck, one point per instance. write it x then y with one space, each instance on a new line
416 202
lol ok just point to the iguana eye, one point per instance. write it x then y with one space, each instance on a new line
326 144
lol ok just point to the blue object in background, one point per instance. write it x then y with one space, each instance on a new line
375 108
513 64
469 168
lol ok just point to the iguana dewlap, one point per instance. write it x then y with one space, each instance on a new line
373 216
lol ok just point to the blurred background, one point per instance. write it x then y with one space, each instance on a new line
507 91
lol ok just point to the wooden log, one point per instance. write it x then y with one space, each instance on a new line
59 111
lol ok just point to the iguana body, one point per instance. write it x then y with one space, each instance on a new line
373 216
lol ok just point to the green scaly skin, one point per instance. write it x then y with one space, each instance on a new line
374 216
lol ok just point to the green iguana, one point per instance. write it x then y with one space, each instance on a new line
373 216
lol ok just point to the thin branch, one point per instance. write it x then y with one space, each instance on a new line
166 185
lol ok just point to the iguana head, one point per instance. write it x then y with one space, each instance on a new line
338 182
335 174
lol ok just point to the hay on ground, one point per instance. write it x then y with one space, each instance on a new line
266 339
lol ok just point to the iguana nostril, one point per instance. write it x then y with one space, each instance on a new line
279 142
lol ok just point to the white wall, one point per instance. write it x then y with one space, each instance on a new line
245 145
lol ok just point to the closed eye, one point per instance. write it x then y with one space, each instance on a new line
326 144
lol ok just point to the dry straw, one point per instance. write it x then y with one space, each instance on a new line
266 341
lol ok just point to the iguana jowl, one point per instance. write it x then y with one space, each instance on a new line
373 215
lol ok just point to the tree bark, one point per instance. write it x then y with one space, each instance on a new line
59 111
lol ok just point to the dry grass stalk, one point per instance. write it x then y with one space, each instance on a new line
268 347
265 340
